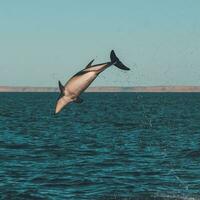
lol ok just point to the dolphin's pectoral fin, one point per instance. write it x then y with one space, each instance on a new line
62 88
78 100
89 64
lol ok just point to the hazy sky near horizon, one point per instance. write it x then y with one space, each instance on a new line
43 41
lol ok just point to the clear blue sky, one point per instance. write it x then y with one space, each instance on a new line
43 41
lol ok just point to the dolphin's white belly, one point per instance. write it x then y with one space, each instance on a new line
78 84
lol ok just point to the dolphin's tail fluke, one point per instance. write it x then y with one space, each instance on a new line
115 61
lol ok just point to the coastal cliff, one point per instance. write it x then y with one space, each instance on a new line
108 89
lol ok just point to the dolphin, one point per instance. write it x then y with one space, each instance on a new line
78 83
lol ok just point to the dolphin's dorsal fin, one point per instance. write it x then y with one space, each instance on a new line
61 87
89 64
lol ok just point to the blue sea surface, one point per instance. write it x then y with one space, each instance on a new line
112 146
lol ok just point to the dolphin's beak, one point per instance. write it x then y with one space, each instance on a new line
55 112
61 103
57 109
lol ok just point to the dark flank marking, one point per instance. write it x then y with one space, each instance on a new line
80 73
108 63
84 72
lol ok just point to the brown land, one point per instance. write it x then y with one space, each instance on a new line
108 89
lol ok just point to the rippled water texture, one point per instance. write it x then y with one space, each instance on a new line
112 146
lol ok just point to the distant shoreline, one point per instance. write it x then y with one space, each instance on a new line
108 89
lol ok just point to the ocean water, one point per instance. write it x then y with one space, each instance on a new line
112 146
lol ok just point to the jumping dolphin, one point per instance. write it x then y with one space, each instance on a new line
71 91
